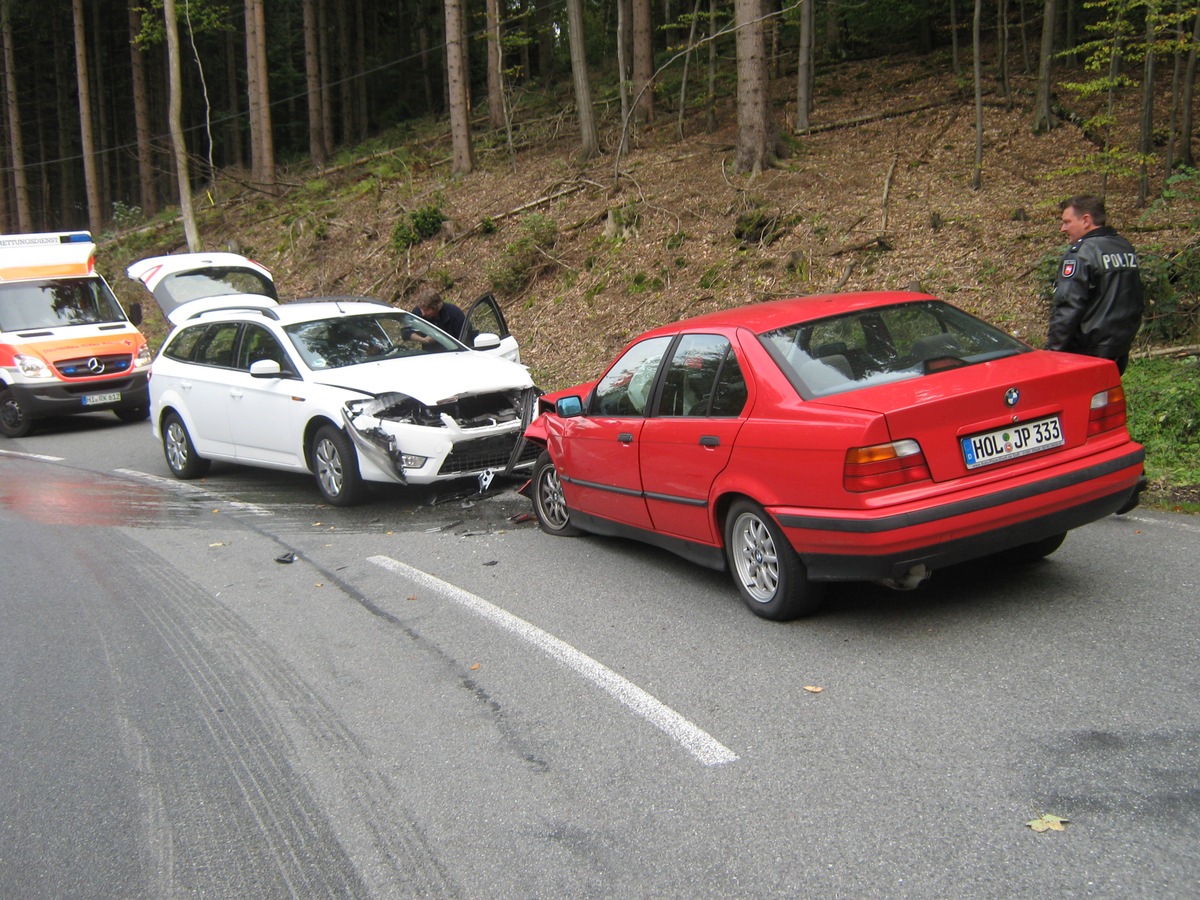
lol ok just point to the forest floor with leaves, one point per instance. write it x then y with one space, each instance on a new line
876 196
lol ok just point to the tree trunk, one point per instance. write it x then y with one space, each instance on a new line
710 118
1176 76
15 141
456 78
261 140
312 80
589 139
1043 118
91 177
349 128
543 15
955 65
495 67
804 66
326 67
1146 137
1189 85
643 61
174 79
977 172
1002 53
148 192
687 61
755 125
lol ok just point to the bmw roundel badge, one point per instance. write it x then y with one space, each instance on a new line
1011 396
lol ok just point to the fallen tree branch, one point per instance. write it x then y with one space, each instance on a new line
887 189
880 241
1174 352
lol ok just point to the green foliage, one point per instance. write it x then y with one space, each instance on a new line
758 225
125 216
525 258
1163 398
1172 295
203 16
419 225
1181 186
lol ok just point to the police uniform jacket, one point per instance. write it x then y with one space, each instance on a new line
1098 297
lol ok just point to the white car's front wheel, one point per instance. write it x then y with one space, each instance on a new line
335 464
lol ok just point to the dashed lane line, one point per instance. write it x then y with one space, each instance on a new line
705 748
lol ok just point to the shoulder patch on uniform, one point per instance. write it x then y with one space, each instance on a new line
1068 268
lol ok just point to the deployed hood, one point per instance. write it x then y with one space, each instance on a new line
432 378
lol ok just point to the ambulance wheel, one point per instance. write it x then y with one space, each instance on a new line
13 422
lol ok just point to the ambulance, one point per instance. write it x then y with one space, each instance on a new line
66 345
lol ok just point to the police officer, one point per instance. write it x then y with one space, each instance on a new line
1098 297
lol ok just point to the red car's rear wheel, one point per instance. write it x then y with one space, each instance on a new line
769 575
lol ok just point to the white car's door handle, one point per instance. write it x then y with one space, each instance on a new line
235 393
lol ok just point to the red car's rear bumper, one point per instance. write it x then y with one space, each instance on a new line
886 544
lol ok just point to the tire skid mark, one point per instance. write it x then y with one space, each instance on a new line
241 718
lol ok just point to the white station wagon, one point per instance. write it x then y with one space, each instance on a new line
337 387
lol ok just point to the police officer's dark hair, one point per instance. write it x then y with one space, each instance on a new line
1086 204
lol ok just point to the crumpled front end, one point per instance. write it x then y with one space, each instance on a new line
414 443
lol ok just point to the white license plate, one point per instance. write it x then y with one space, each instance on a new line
98 399
1011 441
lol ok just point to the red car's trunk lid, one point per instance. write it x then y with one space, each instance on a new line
994 398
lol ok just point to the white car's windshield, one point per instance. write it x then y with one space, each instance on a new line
353 340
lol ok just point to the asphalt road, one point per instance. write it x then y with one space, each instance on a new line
435 699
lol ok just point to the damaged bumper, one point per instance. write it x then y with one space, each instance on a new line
411 443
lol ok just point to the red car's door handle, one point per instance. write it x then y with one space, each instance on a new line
709 440
625 437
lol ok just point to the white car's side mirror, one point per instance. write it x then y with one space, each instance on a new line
485 340
265 368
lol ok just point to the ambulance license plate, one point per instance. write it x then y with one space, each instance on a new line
100 399
1011 441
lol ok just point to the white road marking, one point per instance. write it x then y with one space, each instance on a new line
1179 523
183 486
31 456
697 742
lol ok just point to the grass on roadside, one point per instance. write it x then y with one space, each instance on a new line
1163 397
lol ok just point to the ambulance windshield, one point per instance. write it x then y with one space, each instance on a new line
56 302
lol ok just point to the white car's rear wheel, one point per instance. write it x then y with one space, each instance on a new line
182 459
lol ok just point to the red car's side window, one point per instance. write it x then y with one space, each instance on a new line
625 388
703 378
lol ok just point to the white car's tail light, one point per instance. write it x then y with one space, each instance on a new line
1107 412
884 466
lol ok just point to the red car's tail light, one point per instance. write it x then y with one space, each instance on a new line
884 466
1107 411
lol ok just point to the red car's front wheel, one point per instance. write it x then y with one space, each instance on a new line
549 504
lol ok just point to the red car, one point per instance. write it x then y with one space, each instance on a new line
868 436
